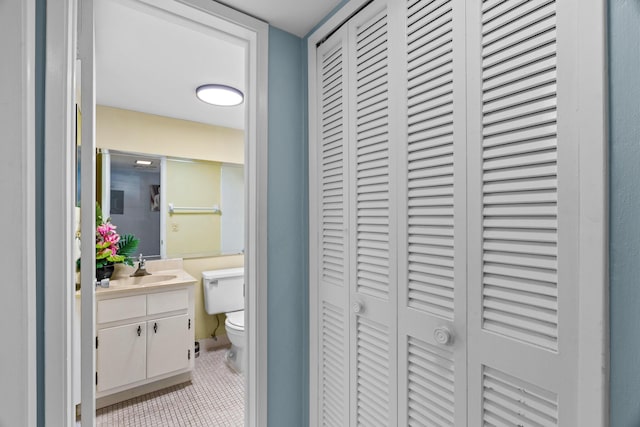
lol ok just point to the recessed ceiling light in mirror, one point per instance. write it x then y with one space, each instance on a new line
143 162
220 95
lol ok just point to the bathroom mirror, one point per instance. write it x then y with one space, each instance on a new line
177 207
176 185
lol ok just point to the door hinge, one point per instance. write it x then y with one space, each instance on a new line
96 378
96 342
188 354
189 323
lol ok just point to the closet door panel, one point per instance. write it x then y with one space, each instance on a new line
332 232
522 214
372 222
432 217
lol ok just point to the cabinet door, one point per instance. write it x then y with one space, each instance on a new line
121 355
167 345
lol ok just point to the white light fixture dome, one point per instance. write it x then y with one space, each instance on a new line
220 95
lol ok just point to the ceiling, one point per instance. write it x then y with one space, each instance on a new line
127 162
295 16
152 62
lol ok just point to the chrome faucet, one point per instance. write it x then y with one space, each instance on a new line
142 270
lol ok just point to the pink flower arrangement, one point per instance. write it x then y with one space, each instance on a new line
110 247
107 243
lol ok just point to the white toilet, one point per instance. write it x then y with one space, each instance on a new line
224 293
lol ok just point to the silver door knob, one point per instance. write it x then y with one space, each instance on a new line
357 307
442 336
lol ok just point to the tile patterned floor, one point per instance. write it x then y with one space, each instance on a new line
215 397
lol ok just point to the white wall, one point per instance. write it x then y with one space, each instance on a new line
17 192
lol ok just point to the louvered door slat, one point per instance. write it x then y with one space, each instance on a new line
510 401
372 354
439 120
431 385
502 38
333 333
332 158
372 151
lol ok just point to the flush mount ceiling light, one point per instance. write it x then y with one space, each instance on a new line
221 95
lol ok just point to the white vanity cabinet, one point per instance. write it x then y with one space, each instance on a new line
144 340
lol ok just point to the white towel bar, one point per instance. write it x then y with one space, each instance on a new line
184 209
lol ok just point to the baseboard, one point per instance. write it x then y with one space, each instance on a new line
112 399
210 344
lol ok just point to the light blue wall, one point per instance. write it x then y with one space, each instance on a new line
287 229
289 222
624 60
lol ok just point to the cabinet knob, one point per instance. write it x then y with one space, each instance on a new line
442 336
155 328
357 307
139 330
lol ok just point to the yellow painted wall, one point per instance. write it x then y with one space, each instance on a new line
193 184
195 266
127 130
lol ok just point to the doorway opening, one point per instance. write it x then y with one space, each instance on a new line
204 17
149 64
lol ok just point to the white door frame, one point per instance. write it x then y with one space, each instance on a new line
593 302
18 386
59 115
59 201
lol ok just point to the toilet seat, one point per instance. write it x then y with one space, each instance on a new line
235 320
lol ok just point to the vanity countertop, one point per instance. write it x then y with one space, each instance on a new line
153 282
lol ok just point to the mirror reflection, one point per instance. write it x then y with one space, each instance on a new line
179 195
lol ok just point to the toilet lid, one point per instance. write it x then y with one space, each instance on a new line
235 319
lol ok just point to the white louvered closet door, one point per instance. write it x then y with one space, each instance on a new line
332 234
445 243
373 288
432 220
523 213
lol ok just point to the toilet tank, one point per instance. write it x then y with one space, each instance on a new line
223 290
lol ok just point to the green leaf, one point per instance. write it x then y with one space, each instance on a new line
102 245
127 246
116 258
103 254
128 261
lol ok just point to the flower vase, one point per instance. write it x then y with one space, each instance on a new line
104 272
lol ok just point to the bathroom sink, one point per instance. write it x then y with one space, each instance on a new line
144 280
